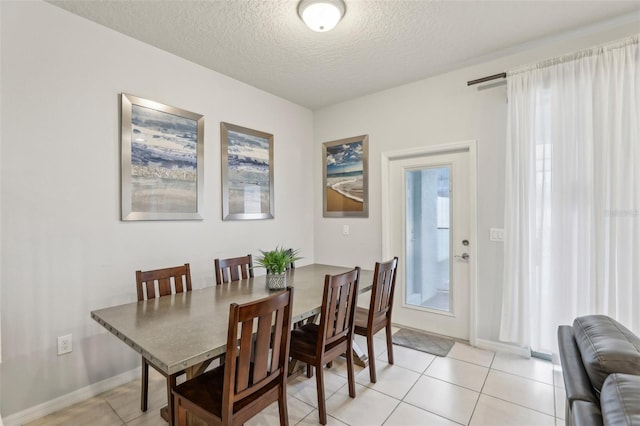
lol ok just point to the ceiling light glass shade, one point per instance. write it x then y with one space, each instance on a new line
321 15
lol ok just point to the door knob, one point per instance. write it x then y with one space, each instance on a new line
463 256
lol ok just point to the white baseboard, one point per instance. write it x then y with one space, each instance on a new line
503 347
64 401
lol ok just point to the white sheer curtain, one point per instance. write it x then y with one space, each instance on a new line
572 213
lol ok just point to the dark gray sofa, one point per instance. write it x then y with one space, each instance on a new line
601 368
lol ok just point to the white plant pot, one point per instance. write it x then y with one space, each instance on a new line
276 281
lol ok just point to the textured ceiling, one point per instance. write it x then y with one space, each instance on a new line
378 44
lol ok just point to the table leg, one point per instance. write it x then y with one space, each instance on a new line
292 366
198 369
360 358
167 412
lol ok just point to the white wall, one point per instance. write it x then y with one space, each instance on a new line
0 229
64 250
435 111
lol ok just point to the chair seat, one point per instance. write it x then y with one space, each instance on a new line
206 389
304 340
307 333
361 320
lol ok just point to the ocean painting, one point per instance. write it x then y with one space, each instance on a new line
345 182
248 166
247 173
163 162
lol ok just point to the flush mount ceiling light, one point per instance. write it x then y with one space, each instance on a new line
321 15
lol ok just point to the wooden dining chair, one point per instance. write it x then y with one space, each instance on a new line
319 344
291 265
158 283
369 321
233 269
254 373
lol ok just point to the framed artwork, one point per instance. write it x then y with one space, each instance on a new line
247 173
345 177
162 161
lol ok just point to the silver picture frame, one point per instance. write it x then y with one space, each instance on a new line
162 169
247 173
345 177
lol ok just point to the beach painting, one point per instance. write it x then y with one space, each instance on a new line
247 173
162 161
345 177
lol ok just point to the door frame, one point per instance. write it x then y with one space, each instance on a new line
462 146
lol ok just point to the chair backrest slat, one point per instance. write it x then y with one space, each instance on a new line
233 269
331 320
277 336
164 286
384 281
244 357
291 265
150 287
146 281
261 357
338 307
341 309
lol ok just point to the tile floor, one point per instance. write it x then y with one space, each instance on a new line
469 387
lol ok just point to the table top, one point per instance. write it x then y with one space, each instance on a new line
185 329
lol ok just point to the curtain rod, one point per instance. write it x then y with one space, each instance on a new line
483 79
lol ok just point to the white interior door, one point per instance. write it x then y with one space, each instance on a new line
430 216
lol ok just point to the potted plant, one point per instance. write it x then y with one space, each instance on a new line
277 262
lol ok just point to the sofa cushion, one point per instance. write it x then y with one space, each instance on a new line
620 400
606 347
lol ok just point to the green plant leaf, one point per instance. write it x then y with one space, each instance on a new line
276 261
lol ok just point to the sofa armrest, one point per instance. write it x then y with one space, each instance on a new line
576 381
586 414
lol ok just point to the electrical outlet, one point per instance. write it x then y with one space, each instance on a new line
65 344
345 229
496 234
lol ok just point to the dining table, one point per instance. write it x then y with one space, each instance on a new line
184 332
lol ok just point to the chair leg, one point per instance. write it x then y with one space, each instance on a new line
309 371
145 385
350 374
372 358
322 408
389 343
282 407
